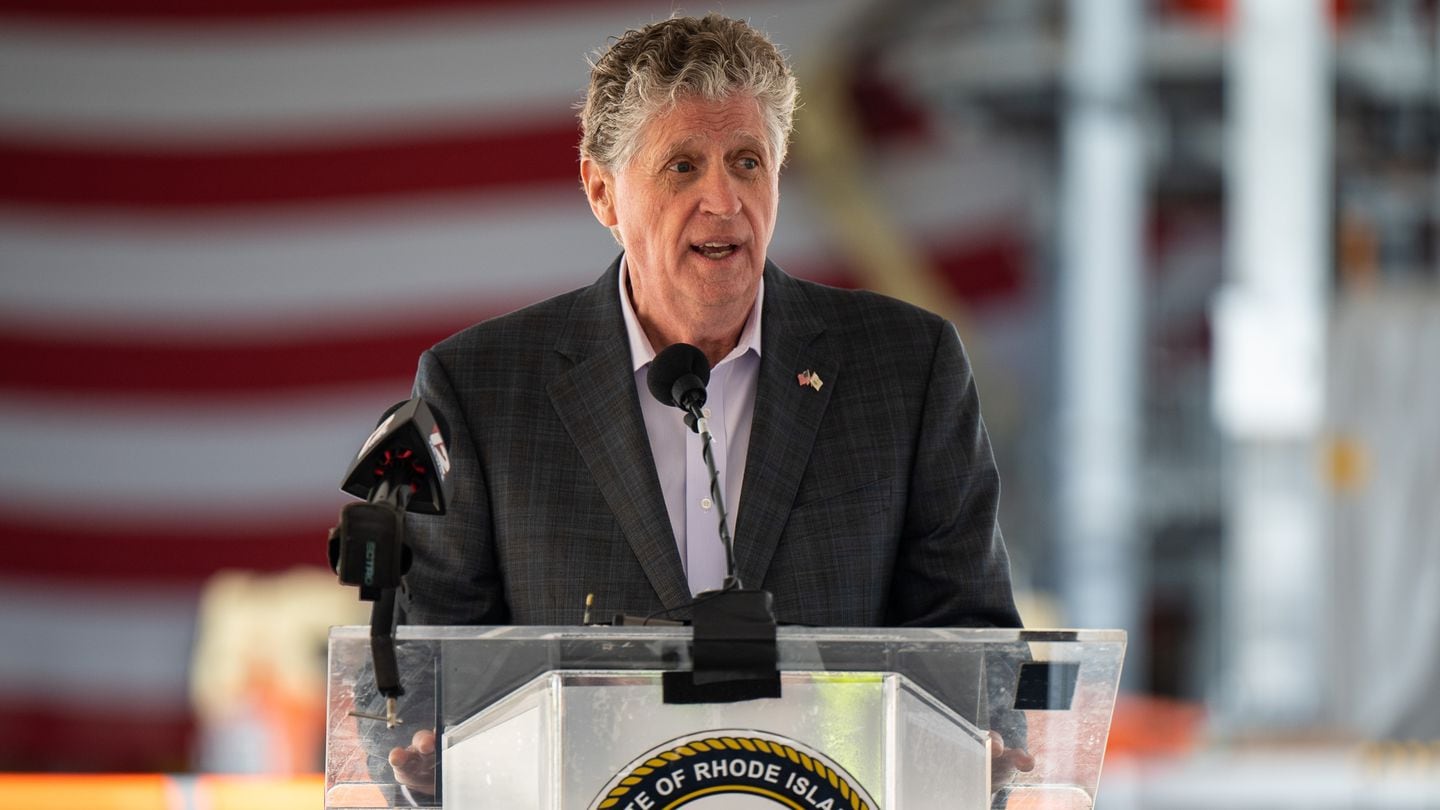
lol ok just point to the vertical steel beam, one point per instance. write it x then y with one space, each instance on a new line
1100 282
1270 324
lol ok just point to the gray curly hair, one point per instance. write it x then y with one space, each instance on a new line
646 70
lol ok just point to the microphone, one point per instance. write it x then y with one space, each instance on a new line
403 466
733 653
733 650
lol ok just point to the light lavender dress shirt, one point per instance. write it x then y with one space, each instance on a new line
684 481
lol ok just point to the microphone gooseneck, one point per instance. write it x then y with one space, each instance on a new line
677 377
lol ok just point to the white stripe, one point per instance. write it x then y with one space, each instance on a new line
86 462
227 82
127 650
291 271
307 269
366 73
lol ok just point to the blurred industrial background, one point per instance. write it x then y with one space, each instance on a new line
1193 247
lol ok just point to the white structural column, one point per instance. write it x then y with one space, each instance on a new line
1270 323
1100 281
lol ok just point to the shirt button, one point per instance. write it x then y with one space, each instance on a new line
705 411
706 503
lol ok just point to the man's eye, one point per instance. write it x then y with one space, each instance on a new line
749 164
682 166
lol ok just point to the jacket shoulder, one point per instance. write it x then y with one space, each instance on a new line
868 315
530 326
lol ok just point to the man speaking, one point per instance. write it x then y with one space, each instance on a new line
855 469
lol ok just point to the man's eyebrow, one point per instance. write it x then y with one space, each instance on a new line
740 139
749 140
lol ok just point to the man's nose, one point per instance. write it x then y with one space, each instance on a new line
720 194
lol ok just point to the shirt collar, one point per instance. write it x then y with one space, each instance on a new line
641 352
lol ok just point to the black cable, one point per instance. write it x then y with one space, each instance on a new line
699 600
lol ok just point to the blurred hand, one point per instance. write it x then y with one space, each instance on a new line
1006 762
415 766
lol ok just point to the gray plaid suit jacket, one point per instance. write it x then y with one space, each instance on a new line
870 502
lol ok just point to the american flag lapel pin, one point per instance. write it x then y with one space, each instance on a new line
810 378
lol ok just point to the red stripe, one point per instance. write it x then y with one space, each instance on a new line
81 366
47 175
190 11
375 350
993 267
977 270
160 554
98 737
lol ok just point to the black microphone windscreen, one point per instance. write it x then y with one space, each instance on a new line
670 365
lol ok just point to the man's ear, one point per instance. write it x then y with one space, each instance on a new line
599 190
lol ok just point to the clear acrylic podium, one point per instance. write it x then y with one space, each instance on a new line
573 718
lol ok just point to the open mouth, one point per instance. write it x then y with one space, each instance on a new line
714 250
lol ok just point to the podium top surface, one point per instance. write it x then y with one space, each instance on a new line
859 635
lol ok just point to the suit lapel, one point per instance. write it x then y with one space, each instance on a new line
603 419
787 417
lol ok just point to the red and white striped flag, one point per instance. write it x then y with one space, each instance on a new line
227 230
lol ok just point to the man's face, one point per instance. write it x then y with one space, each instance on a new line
695 208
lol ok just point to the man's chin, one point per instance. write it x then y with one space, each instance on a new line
727 292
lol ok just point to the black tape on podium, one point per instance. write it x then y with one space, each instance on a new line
734 651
